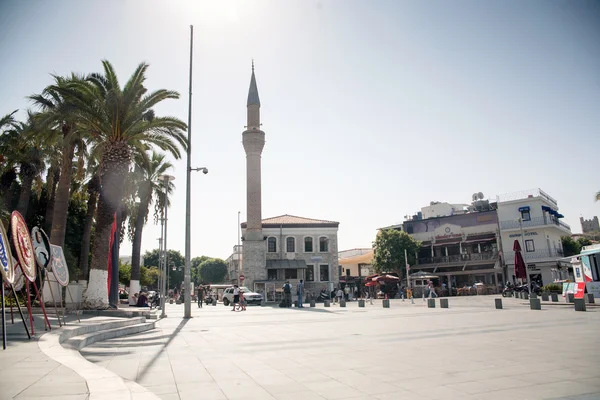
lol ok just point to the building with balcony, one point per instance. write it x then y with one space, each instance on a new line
460 248
532 217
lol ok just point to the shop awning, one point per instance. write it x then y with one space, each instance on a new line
366 258
286 264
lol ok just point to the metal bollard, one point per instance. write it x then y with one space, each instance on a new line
579 304
554 297
361 303
570 297
327 303
262 303
525 296
386 303
313 303
342 303
443 303
498 304
430 303
545 297
535 304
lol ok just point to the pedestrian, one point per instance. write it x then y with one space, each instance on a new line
300 293
340 295
347 293
200 296
242 301
432 292
287 294
236 296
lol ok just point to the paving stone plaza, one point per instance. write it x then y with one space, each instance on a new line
468 351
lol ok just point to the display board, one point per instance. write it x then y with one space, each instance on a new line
59 265
22 244
6 263
41 247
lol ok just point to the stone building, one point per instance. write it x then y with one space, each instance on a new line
285 247
589 225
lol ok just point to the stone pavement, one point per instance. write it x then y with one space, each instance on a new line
469 351
27 373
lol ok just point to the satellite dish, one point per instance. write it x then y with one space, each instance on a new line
480 196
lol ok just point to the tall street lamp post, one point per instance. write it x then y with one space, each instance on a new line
166 179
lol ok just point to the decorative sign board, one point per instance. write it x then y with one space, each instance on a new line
19 281
41 247
23 247
59 265
6 265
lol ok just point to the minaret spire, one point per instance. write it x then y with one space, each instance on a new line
253 104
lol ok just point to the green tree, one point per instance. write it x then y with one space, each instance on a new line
124 273
146 173
149 276
388 250
213 270
174 259
117 118
195 266
583 241
570 246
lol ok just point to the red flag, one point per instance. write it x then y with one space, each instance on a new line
111 241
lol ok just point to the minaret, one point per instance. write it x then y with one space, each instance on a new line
254 140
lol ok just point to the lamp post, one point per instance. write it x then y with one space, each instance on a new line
239 260
523 251
166 179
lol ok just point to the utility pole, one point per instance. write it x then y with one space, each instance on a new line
187 306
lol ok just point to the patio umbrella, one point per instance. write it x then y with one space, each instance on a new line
520 268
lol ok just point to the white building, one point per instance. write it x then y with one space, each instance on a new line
355 263
234 262
296 248
536 213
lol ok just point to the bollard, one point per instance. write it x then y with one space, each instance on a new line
545 297
313 303
342 303
570 297
579 304
361 303
214 303
590 298
262 303
521 295
443 303
516 294
535 304
498 304
525 296
423 296
554 297
430 303
327 303
386 303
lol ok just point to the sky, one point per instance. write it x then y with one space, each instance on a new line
371 109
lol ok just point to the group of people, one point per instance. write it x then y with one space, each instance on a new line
141 300
238 298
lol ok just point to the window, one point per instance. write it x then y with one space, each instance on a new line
272 245
272 274
310 273
308 247
323 244
525 215
291 273
529 246
290 245
340 270
409 229
347 271
324 272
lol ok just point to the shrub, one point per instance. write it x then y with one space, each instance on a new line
553 287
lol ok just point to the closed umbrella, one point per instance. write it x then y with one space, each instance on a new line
520 266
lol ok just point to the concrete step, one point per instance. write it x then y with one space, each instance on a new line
123 313
81 341
98 324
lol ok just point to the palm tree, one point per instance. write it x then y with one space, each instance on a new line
59 117
598 196
116 118
8 173
147 171
93 189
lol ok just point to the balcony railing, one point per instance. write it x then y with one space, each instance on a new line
488 255
533 222
509 256
525 194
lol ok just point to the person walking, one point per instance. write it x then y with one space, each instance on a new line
236 296
200 296
242 301
287 294
432 293
339 295
300 293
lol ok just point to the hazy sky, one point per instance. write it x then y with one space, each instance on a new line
371 109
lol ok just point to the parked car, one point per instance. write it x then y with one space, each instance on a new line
251 297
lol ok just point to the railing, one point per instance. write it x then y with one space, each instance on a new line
488 255
525 194
536 221
509 256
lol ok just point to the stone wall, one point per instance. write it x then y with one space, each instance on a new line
254 264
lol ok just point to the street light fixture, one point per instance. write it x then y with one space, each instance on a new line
166 179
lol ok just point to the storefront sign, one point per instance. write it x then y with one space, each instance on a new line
519 235
579 290
448 236
593 288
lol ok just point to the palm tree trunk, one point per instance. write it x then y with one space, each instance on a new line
115 162
26 184
6 181
134 284
61 202
52 177
87 229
